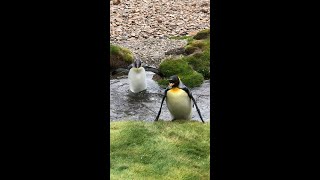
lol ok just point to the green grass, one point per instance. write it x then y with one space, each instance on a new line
159 150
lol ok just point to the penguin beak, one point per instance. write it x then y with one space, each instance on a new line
171 83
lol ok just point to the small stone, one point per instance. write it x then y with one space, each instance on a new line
116 2
204 10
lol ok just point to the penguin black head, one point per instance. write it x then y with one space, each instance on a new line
137 63
174 81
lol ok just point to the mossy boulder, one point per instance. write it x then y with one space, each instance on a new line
202 34
197 45
120 57
191 49
200 62
193 68
193 79
170 67
181 68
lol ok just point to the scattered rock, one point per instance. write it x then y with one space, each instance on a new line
204 10
175 17
116 2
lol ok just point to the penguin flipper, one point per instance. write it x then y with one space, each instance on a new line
157 118
154 70
130 66
194 101
164 97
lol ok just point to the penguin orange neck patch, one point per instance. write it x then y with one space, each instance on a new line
175 89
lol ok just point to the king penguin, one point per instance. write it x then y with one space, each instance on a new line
178 99
137 77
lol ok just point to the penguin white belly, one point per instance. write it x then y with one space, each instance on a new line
179 104
137 79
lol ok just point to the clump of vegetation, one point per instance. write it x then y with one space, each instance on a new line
193 79
195 45
200 62
171 67
160 150
120 57
193 68
202 34
181 68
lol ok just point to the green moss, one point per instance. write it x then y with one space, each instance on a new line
181 68
202 34
120 57
197 45
200 62
195 67
171 67
163 83
189 49
193 79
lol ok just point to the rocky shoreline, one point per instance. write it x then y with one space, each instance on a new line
144 26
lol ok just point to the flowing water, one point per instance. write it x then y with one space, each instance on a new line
125 105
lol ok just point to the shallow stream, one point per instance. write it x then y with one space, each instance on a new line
125 105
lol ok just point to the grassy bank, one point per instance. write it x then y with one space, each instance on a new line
160 150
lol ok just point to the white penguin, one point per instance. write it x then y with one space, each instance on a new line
137 77
178 100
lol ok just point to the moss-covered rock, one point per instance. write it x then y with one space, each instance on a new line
170 67
189 49
202 34
193 68
181 68
120 57
193 79
200 62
